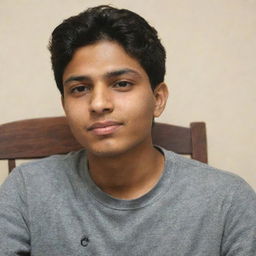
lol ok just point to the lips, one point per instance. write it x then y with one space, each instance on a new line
104 128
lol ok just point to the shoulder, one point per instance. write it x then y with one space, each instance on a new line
43 173
200 178
55 164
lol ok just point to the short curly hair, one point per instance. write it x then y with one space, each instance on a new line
131 31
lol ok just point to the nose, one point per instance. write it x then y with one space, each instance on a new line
101 100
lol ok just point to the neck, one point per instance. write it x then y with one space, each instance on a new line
128 175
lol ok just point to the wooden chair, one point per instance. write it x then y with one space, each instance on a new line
41 137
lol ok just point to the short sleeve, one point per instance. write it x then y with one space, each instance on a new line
14 221
239 238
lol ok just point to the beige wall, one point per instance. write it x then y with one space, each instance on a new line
211 66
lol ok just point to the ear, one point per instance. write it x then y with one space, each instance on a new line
161 95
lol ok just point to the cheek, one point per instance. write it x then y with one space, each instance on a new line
75 112
139 108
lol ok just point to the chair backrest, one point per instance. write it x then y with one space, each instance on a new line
41 137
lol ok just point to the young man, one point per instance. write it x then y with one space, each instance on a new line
123 195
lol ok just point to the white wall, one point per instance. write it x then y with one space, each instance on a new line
211 50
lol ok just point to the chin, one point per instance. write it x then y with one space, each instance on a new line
109 150
106 152
113 147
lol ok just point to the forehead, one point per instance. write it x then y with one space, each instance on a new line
99 58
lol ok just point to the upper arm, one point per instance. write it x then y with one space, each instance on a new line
239 238
14 221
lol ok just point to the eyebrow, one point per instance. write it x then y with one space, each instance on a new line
121 72
108 75
77 78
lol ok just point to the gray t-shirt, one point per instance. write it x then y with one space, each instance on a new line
52 207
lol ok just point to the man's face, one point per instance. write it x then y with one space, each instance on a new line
108 100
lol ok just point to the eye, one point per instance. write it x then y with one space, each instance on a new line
79 89
123 84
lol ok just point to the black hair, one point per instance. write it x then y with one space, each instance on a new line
131 31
